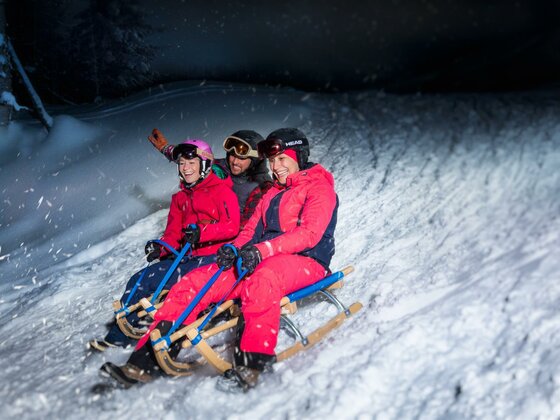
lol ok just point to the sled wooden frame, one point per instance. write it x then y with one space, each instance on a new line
126 327
191 334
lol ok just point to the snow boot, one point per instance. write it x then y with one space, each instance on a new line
99 345
120 374
246 370
123 377
238 379
128 374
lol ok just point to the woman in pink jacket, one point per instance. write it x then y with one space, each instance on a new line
204 213
286 245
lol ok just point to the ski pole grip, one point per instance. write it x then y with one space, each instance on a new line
166 245
233 248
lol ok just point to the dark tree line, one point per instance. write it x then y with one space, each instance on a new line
102 53
110 49
5 74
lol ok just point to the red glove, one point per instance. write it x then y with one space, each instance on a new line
157 139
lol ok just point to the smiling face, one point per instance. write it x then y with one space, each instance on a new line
189 169
281 166
237 165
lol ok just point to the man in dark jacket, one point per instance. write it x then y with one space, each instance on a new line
242 163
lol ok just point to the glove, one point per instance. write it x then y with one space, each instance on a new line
250 258
152 250
158 139
192 234
225 257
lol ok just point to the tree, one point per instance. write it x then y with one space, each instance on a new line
5 75
40 111
110 49
8 61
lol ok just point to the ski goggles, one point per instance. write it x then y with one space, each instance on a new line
190 151
274 146
239 147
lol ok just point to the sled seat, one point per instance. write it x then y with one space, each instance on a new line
288 305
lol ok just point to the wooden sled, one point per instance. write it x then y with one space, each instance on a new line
192 337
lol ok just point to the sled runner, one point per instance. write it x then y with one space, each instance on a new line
122 311
196 334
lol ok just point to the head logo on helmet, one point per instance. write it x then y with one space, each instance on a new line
190 149
286 139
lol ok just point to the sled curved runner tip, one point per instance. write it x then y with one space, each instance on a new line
125 326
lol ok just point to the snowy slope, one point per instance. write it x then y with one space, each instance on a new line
450 212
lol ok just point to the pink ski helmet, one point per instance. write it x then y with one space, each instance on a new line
192 148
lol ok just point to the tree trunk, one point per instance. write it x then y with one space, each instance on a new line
5 80
40 110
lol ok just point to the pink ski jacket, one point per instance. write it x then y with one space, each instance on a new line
296 218
210 204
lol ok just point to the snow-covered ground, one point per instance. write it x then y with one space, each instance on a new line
450 213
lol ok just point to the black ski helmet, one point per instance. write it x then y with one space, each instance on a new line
288 138
250 138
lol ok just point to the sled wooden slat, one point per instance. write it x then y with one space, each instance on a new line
209 354
289 308
129 330
213 331
319 333
146 304
118 306
166 362
177 335
336 285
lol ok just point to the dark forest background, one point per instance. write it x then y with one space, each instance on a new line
88 50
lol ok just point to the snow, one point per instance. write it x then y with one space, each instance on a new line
8 98
449 212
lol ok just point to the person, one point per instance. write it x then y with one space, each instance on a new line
286 245
204 213
242 163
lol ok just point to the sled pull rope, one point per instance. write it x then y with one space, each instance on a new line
136 285
169 273
179 257
191 306
189 309
242 273
194 302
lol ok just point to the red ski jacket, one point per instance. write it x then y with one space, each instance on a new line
210 204
296 218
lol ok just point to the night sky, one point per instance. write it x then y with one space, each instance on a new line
398 46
